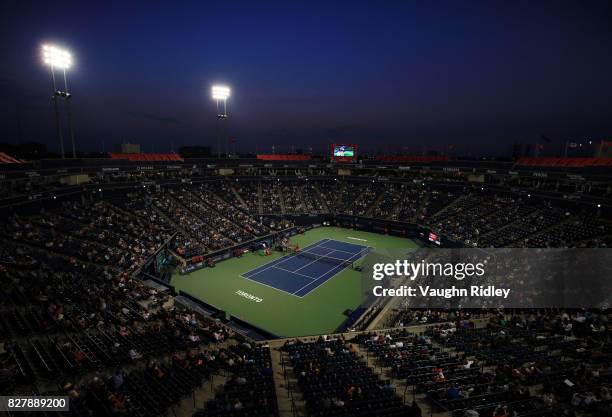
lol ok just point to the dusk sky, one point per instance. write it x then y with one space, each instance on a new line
387 75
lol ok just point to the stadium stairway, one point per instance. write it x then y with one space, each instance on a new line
239 198
281 200
321 198
260 198
385 372
448 206
387 307
402 389
200 396
374 204
287 400
383 314
302 196
203 394
290 402
422 204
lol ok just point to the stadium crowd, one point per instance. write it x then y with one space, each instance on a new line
476 217
76 316
529 362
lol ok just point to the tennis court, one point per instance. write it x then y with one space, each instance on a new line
281 312
302 272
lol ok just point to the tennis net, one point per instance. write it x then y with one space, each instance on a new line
330 259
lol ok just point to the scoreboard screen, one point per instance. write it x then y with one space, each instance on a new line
345 152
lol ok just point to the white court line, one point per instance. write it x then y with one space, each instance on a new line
296 273
352 253
269 286
330 270
340 250
317 286
274 262
361 254
316 260
356 238
324 255
326 272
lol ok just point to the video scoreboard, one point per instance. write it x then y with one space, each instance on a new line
346 152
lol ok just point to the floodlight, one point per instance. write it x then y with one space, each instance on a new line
220 92
56 57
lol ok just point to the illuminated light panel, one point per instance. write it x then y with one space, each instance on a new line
220 92
56 57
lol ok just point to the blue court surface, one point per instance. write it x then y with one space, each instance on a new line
300 273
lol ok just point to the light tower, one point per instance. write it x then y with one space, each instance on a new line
60 59
220 94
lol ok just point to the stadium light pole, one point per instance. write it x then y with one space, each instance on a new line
220 94
60 59
68 97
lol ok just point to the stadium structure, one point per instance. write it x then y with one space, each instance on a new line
151 284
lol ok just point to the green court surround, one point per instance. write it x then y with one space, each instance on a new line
280 313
